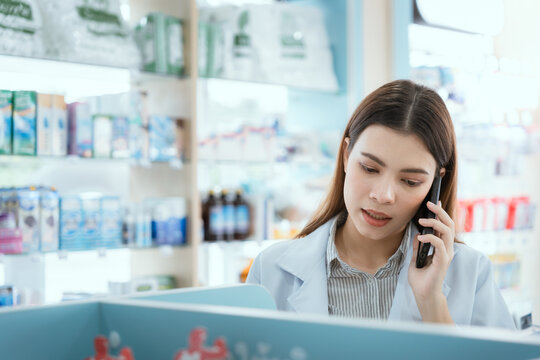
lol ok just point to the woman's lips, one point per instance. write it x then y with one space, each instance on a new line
375 218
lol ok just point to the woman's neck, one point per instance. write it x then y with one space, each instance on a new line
363 253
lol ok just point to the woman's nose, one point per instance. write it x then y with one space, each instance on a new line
383 193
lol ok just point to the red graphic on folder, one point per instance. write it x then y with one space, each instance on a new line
101 346
197 351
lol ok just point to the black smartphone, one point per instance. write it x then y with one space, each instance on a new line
433 196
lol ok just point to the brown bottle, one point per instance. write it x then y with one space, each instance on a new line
228 215
213 218
242 217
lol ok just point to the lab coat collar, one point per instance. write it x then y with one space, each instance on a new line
305 259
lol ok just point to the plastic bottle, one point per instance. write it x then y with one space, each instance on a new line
228 216
242 218
213 218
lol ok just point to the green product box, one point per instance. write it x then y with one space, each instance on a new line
174 44
150 37
161 41
24 122
6 121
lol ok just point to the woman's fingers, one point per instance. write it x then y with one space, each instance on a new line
437 243
444 231
443 215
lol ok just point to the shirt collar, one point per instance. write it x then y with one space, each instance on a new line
331 251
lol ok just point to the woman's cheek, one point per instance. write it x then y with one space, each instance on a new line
414 202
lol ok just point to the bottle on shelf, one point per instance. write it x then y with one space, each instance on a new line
242 218
213 218
228 215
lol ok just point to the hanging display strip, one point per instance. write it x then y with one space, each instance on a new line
142 329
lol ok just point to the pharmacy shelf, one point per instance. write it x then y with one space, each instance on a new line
22 160
101 252
73 79
221 262
291 162
247 81
170 95
138 77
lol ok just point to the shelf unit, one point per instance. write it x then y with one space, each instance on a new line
173 96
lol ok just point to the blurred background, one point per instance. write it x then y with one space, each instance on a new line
154 145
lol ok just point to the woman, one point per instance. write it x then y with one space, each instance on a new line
357 255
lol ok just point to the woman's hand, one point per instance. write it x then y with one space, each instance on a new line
427 282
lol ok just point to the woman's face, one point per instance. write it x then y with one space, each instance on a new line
388 175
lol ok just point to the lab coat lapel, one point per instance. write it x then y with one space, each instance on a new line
305 259
404 306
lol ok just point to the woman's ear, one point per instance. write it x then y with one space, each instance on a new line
442 172
345 150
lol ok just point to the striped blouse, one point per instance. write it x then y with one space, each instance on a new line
354 293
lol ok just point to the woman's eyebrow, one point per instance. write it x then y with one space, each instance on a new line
407 170
374 158
414 170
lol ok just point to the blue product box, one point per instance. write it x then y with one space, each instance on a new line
111 228
24 122
91 221
6 295
6 121
120 137
143 228
70 223
44 125
176 223
162 138
81 129
49 219
160 219
28 217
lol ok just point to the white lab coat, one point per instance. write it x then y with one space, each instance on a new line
294 272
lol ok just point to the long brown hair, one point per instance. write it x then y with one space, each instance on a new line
409 108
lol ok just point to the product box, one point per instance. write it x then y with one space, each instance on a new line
161 42
169 220
150 38
80 129
91 221
6 121
160 218
143 227
7 296
60 125
70 223
24 122
174 40
10 235
111 228
49 219
120 137
139 141
102 140
44 124
177 222
28 217
162 134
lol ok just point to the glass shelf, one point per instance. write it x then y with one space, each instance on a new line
294 162
23 160
73 79
247 81
101 252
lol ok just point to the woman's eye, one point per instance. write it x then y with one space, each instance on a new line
411 182
368 169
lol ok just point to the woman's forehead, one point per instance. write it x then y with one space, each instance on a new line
394 147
